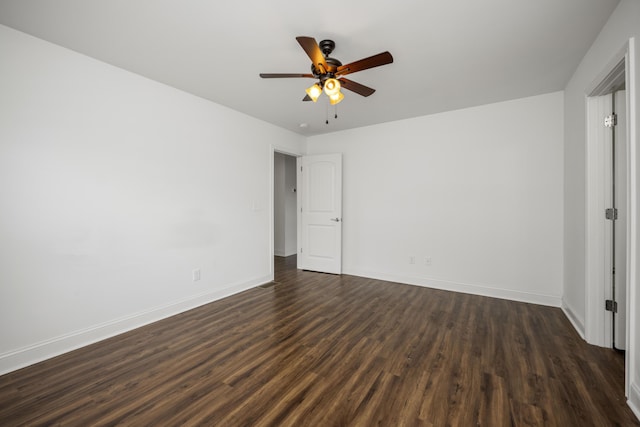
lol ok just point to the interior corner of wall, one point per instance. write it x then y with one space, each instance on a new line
576 321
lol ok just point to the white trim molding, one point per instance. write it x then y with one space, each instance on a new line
632 369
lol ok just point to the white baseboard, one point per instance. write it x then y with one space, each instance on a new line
284 254
474 289
578 325
634 399
20 358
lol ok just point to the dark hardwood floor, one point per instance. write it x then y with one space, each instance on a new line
324 350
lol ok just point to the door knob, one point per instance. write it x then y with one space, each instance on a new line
335 219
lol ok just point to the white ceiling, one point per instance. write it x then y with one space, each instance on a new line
448 54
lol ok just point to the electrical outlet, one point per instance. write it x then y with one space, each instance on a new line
412 259
196 274
427 261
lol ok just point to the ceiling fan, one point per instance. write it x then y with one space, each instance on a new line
329 71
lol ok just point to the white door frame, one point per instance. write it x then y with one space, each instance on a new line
595 323
272 150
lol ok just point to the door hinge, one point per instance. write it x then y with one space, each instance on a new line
611 305
611 213
300 250
611 120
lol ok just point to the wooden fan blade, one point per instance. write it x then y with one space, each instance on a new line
307 98
356 87
312 49
283 75
366 63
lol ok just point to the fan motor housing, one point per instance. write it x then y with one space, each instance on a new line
327 46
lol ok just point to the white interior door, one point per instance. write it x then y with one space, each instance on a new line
615 225
620 189
320 210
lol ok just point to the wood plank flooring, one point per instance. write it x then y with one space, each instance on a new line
324 350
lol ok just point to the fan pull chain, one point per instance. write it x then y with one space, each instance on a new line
327 117
335 113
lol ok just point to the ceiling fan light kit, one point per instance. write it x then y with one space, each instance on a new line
329 71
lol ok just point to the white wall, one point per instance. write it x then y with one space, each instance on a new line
479 191
113 188
623 24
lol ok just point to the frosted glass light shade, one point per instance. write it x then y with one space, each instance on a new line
336 98
314 92
331 87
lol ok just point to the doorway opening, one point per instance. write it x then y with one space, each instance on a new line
285 225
